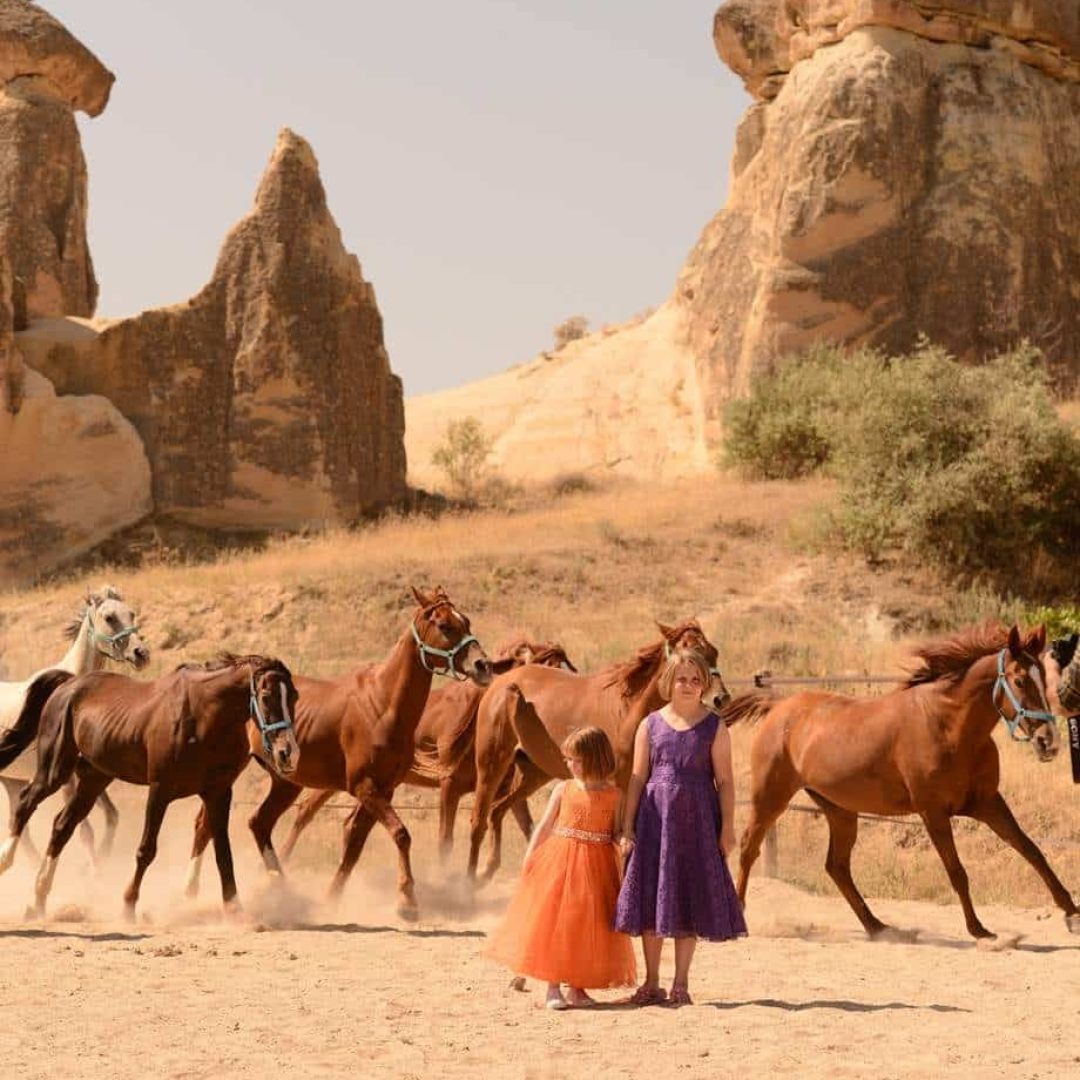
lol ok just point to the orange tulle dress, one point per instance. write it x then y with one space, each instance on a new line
558 926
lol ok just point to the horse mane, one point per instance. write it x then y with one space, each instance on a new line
549 651
92 599
259 664
750 707
950 657
508 647
634 674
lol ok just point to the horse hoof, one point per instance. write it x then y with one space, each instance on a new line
34 913
408 912
517 984
1073 922
894 934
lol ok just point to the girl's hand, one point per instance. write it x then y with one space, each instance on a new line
626 843
727 841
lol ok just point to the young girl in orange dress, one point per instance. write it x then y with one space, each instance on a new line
558 926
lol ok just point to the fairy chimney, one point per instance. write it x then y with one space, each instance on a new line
45 76
905 169
266 400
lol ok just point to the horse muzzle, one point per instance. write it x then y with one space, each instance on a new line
1046 741
481 671
138 657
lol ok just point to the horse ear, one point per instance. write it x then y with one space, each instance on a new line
667 631
1014 640
1038 639
418 596
94 599
111 592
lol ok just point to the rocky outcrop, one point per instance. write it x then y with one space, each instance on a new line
45 75
72 472
909 168
267 400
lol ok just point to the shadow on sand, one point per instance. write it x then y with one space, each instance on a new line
842 1006
37 932
356 928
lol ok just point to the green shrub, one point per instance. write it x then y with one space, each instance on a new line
462 455
961 466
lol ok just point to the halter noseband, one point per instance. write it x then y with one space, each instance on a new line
448 656
112 640
267 729
668 651
1001 684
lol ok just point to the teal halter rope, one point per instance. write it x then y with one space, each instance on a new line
266 729
1019 711
446 655
112 640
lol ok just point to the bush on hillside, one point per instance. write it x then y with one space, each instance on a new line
571 329
965 467
462 456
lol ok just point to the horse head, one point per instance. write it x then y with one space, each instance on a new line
112 628
690 637
273 706
1021 686
444 638
519 651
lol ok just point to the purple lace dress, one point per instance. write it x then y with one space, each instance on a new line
677 883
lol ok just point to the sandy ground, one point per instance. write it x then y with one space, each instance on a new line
294 988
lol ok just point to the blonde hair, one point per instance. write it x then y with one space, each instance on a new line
593 749
680 658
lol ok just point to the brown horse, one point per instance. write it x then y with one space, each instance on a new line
356 734
444 754
927 748
615 699
182 734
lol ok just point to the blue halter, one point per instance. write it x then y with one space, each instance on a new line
267 729
1019 711
446 655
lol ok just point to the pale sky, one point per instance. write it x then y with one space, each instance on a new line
496 165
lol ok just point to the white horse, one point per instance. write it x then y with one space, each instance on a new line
105 629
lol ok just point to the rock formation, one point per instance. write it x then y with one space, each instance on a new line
267 400
908 167
45 75
72 472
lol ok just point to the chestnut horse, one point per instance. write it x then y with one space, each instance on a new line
444 754
104 629
356 734
182 734
615 699
926 748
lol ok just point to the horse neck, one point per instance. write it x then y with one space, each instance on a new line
228 688
82 657
970 711
631 711
405 684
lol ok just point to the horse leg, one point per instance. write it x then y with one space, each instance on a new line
450 792
202 836
995 812
86 830
767 803
112 820
491 766
156 803
388 818
14 788
357 827
216 805
88 785
939 827
56 760
525 779
278 799
315 801
523 817
843 831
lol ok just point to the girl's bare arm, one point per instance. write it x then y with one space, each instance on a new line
546 823
639 777
724 776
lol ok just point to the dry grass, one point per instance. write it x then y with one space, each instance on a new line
592 569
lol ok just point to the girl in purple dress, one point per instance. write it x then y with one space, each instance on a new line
678 828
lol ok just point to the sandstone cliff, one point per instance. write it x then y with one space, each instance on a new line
45 74
267 400
908 168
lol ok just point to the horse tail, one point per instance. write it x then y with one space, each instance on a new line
532 736
750 707
14 740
